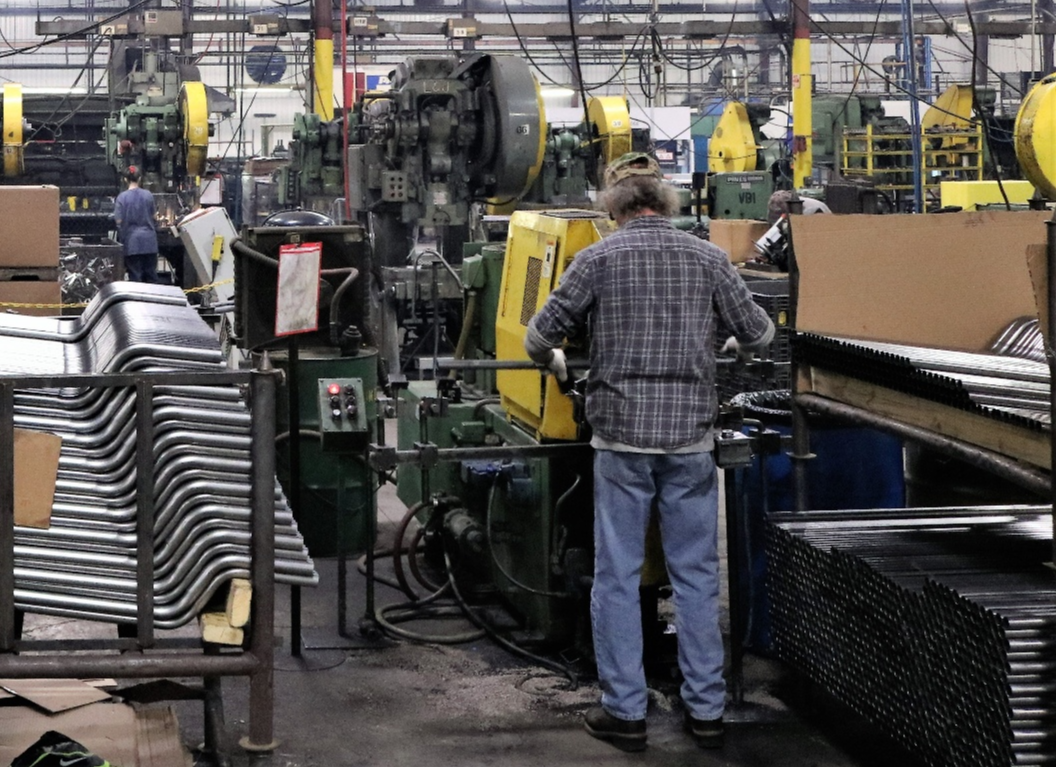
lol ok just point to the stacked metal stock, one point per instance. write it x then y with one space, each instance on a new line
937 625
84 564
1007 388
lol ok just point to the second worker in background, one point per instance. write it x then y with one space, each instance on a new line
134 214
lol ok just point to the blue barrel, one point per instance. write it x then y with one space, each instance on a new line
855 468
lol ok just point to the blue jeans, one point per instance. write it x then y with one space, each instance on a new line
142 267
687 496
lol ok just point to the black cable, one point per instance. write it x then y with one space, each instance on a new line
973 48
77 33
858 72
495 558
576 59
976 108
501 641
821 30
524 49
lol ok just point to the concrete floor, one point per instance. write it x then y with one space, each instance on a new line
473 704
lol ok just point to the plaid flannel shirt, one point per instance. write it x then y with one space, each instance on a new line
653 297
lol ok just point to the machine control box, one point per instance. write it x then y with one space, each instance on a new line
342 413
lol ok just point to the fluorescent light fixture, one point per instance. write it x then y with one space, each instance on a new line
557 93
55 89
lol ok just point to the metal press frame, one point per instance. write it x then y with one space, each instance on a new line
181 658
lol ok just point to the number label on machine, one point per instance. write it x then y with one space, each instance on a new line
342 413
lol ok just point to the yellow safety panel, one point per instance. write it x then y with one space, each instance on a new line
539 248
1034 136
732 148
12 106
967 195
194 106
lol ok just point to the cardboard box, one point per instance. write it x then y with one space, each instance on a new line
736 237
147 737
36 470
950 281
31 292
29 226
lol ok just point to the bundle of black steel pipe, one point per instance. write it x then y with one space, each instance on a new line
936 625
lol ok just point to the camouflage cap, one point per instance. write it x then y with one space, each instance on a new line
632 164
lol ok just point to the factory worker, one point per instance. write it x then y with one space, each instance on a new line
134 215
654 298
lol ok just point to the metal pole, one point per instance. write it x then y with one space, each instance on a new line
734 495
7 516
127 666
801 87
1007 468
145 513
911 83
293 407
262 569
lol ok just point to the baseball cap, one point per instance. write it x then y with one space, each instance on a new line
632 164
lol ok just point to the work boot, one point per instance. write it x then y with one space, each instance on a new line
625 734
707 733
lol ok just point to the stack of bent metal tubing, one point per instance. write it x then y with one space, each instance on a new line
936 625
84 564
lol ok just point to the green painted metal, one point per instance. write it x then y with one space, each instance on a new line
540 545
336 489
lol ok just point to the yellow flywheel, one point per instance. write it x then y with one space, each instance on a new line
1034 136
609 115
12 108
194 107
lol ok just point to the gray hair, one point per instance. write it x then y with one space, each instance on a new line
629 197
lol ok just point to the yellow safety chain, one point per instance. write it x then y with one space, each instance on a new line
17 305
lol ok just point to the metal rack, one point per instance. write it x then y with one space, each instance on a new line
889 157
139 656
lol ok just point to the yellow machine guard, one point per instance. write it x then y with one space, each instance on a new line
732 148
194 106
1034 136
540 245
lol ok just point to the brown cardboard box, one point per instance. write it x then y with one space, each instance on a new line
36 470
144 737
736 236
950 281
30 292
29 226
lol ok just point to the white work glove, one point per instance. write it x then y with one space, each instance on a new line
557 365
731 346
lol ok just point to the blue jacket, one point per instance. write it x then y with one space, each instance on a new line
134 215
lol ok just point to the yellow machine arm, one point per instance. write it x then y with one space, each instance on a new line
733 148
952 111
194 107
1034 136
12 109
